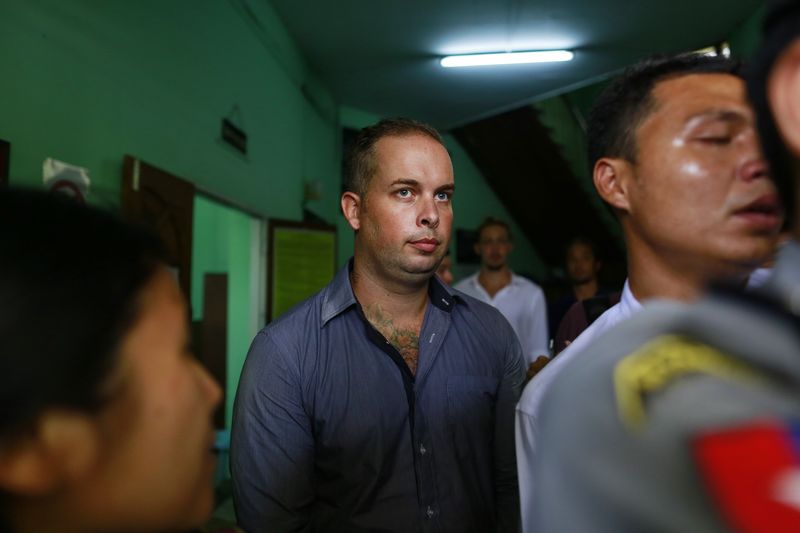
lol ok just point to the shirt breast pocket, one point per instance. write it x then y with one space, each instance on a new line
470 412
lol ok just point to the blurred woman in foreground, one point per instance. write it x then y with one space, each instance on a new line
105 415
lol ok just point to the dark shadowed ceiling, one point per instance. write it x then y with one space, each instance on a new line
382 55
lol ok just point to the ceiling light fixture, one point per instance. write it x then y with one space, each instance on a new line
506 58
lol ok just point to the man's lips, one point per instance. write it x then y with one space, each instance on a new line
763 213
426 245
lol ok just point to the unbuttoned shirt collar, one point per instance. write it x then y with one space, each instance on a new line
473 280
628 304
341 297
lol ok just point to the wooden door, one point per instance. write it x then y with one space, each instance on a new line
213 350
164 203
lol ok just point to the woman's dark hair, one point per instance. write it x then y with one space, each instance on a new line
69 280
781 27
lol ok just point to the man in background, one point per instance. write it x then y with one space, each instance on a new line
581 266
675 154
521 301
586 300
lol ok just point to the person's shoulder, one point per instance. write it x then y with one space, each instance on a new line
660 344
527 284
471 305
289 334
465 285
479 314
574 318
610 318
612 336
535 391
589 366
303 314
704 374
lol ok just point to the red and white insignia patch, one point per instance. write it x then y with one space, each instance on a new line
753 474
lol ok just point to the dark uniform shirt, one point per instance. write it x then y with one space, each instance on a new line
332 432
683 418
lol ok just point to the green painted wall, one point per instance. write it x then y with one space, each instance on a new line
89 81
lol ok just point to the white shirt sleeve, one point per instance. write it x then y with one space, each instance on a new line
526 428
537 336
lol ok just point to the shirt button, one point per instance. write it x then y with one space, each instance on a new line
422 449
430 512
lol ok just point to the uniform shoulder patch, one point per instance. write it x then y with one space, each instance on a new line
753 474
662 361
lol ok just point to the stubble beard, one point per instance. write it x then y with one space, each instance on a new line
396 263
582 281
400 265
494 267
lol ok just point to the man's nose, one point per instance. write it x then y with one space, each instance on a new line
754 165
428 214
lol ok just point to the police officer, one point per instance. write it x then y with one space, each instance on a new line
688 416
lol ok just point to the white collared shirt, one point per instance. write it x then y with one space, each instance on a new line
522 303
758 277
529 406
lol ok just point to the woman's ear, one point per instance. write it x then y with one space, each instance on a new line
62 447
351 208
783 90
611 178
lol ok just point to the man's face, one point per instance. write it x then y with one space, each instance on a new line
406 216
582 266
158 470
700 195
493 246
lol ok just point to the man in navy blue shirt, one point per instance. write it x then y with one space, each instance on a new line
386 401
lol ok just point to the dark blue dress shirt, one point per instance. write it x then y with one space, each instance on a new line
332 432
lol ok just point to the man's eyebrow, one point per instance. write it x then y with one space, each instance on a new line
726 115
412 182
404 181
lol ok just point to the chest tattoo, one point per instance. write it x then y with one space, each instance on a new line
404 340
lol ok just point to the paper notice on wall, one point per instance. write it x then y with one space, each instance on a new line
66 179
303 262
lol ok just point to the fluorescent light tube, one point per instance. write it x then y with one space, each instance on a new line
506 58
